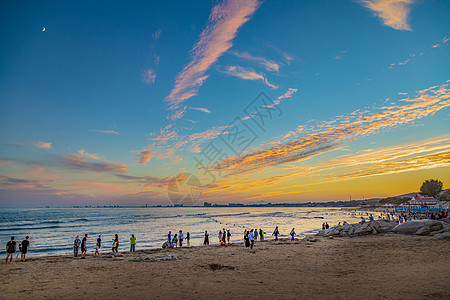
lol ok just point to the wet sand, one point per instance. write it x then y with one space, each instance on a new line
397 267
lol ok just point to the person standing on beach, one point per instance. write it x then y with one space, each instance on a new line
76 245
228 236
83 245
188 237
115 246
206 241
252 239
246 239
181 236
24 250
261 235
97 249
169 237
99 241
276 233
11 247
220 236
132 243
224 236
292 234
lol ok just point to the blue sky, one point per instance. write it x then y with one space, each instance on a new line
113 99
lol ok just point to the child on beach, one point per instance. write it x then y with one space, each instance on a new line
115 246
292 234
220 236
228 235
188 237
261 234
175 241
97 248
246 239
206 240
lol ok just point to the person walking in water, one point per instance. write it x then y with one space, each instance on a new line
83 245
24 250
251 236
11 247
292 234
276 233
76 246
206 240
115 246
132 243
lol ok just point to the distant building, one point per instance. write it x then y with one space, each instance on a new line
416 200
207 204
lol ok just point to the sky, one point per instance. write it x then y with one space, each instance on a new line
169 102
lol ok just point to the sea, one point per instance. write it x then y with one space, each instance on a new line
52 230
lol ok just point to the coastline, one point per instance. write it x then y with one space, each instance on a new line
397 267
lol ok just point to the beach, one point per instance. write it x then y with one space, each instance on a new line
393 267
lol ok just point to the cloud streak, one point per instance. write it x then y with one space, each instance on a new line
104 131
216 38
394 13
269 65
43 145
245 73
349 128
149 76
77 161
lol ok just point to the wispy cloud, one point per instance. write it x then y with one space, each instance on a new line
340 54
246 73
394 13
349 128
216 38
149 76
83 152
43 145
157 34
104 131
144 155
269 65
205 110
77 161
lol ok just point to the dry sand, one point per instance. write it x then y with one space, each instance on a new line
398 267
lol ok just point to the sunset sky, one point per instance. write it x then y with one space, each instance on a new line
104 102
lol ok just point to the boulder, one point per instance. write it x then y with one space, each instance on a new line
425 230
364 229
412 227
442 236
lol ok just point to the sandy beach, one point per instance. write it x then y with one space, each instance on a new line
396 267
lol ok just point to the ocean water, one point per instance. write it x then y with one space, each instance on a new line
53 230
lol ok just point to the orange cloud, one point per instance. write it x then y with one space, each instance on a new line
43 145
216 38
205 110
394 13
88 155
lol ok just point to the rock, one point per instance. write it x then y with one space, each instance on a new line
412 227
442 236
425 230
143 259
168 257
364 229
446 220
383 226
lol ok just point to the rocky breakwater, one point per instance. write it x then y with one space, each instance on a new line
437 229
